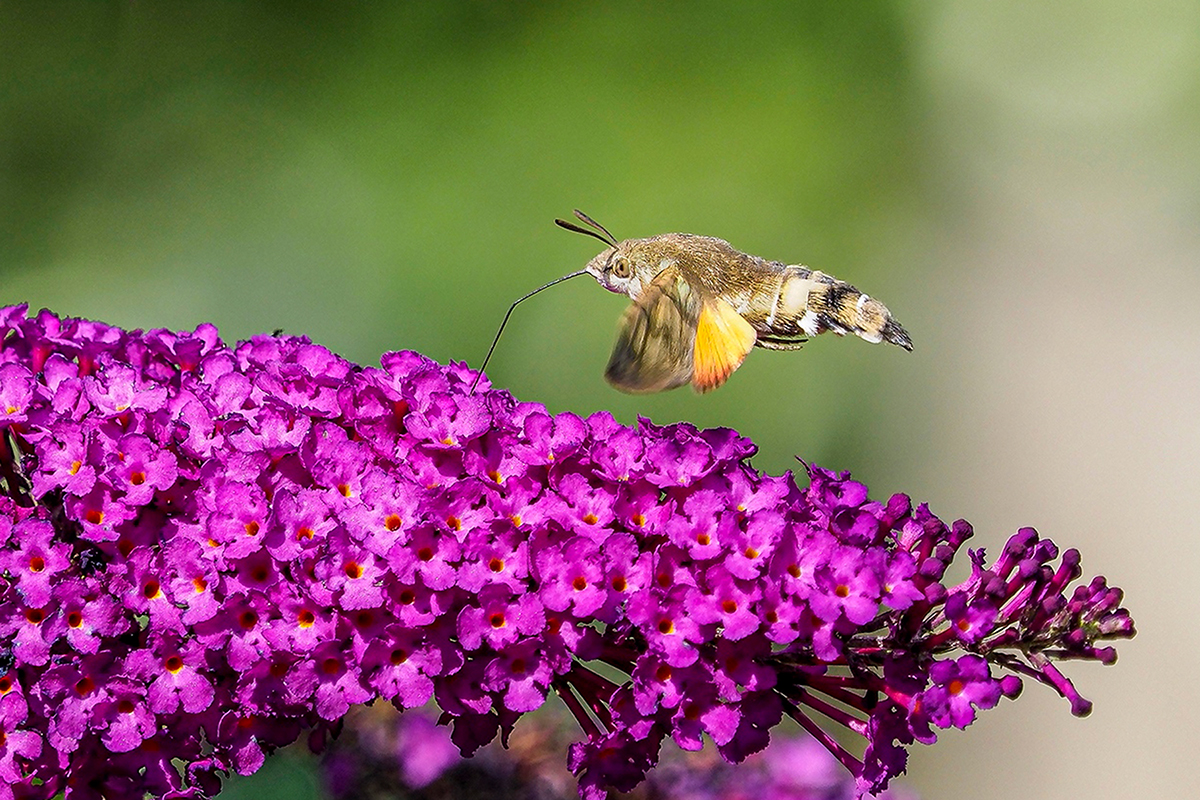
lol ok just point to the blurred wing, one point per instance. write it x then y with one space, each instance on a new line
655 340
723 339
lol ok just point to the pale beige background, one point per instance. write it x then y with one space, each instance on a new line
1069 280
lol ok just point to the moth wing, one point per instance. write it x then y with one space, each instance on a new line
723 338
656 337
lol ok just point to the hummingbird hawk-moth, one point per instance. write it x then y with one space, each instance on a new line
699 305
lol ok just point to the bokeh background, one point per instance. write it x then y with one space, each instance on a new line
1019 182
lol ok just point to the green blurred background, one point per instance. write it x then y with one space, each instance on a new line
1019 182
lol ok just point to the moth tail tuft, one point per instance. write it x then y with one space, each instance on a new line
845 309
894 332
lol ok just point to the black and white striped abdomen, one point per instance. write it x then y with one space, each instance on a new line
807 303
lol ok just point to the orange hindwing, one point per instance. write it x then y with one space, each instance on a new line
723 339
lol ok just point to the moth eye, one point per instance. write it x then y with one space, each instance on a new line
620 268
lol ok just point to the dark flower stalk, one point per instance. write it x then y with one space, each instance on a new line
205 550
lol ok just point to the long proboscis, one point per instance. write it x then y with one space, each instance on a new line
512 308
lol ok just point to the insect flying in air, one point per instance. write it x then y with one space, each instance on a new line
699 305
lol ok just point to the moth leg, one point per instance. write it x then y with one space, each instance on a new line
780 344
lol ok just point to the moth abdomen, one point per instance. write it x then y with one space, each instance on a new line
811 302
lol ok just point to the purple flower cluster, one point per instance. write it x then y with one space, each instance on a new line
206 550
380 753
792 768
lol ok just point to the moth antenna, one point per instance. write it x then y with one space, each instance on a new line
585 218
571 226
512 308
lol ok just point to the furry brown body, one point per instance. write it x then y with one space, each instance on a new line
785 304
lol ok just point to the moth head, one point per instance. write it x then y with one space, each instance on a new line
624 267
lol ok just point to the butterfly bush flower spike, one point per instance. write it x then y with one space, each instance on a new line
206 550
